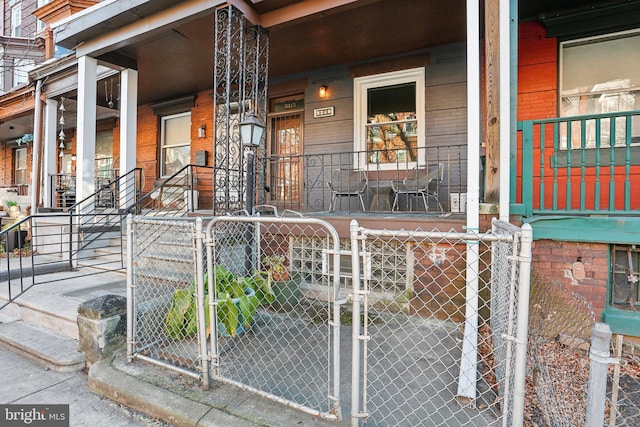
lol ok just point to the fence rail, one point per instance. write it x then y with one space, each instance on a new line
578 165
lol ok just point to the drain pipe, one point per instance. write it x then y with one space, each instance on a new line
35 164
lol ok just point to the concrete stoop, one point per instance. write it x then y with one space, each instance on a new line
48 349
181 401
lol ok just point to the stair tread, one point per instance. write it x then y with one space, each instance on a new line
47 348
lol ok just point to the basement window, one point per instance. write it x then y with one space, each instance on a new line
625 274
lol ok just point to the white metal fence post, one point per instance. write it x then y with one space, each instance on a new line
599 355
355 351
200 300
522 330
130 302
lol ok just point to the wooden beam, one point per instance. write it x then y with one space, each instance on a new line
492 102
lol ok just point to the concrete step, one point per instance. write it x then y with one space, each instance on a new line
54 305
48 349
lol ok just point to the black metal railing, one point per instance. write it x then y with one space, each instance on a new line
188 190
303 182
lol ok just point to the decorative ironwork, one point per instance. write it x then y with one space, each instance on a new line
240 87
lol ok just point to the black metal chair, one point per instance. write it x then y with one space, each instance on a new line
424 183
348 183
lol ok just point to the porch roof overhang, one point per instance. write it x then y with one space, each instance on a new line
166 40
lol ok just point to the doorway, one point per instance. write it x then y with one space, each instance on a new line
285 166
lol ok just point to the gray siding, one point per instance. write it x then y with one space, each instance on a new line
445 126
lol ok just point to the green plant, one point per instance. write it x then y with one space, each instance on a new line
276 267
10 203
237 300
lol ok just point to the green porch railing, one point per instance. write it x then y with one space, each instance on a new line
581 165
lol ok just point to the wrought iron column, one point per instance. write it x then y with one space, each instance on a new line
240 86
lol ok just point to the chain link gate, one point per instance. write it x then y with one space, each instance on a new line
409 360
165 295
274 309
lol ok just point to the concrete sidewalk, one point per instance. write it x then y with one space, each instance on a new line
24 382
38 359
181 401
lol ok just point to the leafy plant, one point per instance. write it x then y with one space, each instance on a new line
237 300
276 267
10 203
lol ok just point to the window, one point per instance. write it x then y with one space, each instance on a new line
21 68
176 140
16 20
388 116
624 277
20 163
104 155
41 25
600 75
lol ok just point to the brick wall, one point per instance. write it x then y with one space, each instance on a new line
554 261
538 98
537 73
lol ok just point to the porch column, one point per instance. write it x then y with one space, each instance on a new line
50 151
469 360
37 143
86 127
128 129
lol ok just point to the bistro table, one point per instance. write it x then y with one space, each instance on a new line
382 195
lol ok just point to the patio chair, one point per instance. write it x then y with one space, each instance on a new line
348 183
424 183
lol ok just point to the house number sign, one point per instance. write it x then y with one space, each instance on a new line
323 112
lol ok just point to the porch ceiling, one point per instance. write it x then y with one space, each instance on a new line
177 59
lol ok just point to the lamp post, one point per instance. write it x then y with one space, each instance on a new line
251 131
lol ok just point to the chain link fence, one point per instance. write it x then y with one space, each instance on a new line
391 327
162 293
275 309
560 326
438 326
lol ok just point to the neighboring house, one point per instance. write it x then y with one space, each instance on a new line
21 48
378 87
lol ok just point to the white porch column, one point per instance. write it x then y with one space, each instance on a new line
128 129
50 151
86 127
37 143
468 364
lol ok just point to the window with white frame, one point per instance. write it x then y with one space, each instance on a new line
20 166
16 20
388 119
176 143
21 68
600 75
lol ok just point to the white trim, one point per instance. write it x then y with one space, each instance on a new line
360 87
163 120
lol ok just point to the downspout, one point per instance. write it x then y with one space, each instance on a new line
35 164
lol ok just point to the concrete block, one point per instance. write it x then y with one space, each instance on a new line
102 327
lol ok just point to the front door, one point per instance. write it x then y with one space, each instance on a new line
285 154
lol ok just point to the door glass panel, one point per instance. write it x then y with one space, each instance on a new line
286 148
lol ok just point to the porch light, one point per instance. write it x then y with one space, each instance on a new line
322 92
251 130
202 131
